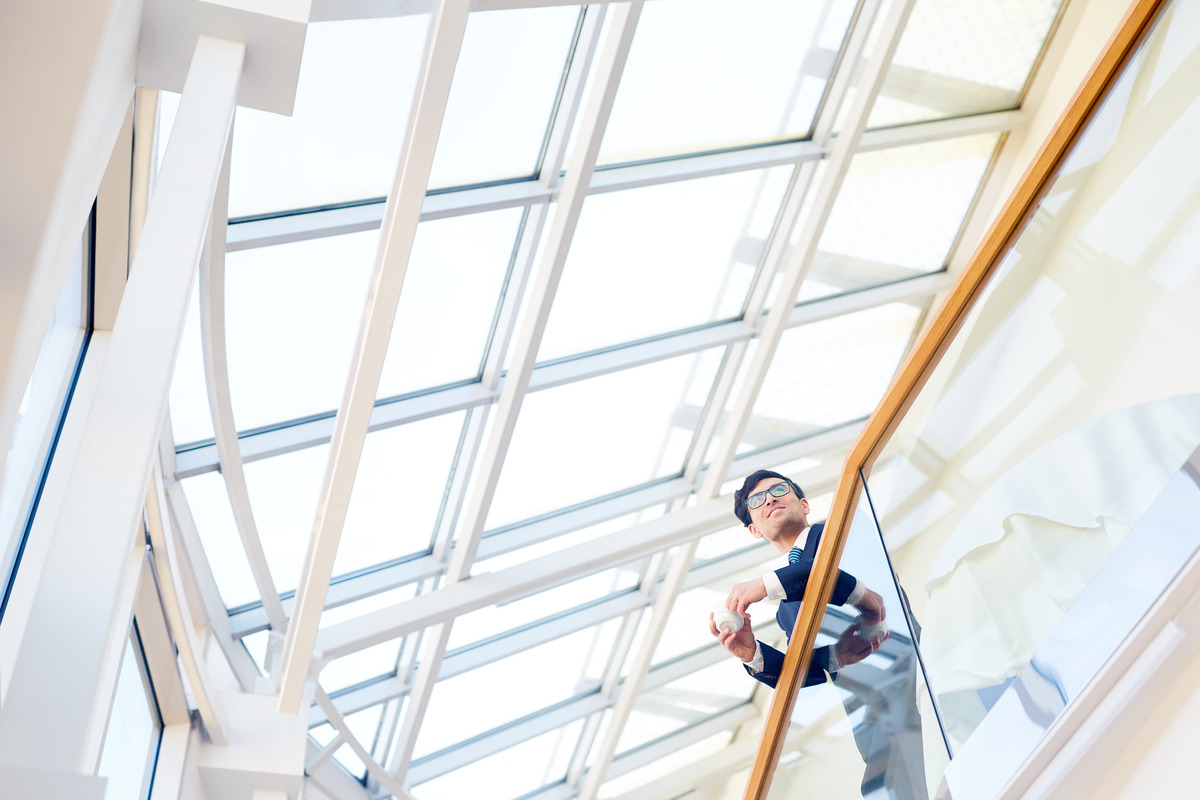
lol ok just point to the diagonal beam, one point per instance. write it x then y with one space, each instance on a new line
399 229
347 737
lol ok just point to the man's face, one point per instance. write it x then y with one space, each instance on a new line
780 520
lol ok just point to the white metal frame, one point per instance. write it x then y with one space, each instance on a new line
493 405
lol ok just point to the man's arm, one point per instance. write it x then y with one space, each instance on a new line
788 583
826 661
773 664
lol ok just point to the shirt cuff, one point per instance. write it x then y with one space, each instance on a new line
860 591
834 664
756 665
774 587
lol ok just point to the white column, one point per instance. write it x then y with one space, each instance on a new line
55 710
68 80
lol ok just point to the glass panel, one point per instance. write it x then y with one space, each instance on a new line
401 479
392 509
686 254
208 502
293 311
1065 405
471 703
131 739
873 732
601 435
42 408
448 304
897 214
372 662
505 85
957 57
699 78
343 139
514 772
830 372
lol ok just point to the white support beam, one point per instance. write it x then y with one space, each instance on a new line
159 649
220 404
329 777
373 767
76 610
195 569
179 616
399 229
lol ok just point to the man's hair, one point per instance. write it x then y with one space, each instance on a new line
740 509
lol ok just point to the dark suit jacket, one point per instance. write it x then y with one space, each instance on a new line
794 577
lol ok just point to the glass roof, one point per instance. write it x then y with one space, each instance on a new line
581 390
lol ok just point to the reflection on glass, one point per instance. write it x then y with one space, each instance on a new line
958 57
912 201
593 437
1021 710
505 85
293 312
700 77
872 732
131 739
830 372
657 259
1066 404
42 409
343 139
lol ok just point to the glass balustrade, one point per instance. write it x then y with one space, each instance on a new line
1032 500
873 732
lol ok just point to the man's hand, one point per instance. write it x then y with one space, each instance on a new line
851 649
871 607
741 643
743 594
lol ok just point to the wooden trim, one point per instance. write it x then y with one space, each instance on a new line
924 358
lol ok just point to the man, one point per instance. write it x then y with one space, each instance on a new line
774 508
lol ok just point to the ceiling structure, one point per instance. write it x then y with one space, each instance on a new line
612 258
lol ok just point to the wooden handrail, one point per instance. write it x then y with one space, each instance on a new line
922 361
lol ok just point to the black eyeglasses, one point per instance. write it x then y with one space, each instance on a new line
758 498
